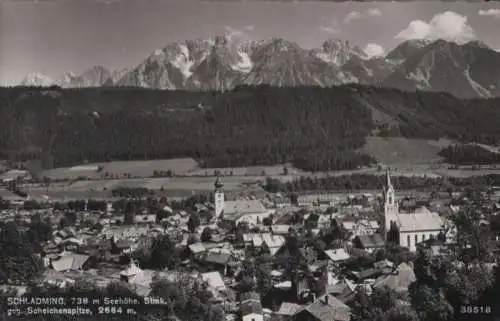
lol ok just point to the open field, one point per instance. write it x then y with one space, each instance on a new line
403 151
179 166
406 157
276 170
180 187
172 187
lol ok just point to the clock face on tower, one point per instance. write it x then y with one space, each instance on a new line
219 197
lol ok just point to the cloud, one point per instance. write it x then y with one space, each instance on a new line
374 50
490 12
331 30
355 15
332 26
448 25
374 12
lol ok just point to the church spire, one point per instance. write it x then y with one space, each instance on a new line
389 184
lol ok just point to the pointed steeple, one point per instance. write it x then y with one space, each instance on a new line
388 173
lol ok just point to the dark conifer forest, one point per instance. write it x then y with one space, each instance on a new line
313 128
469 155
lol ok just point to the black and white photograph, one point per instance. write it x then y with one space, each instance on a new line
195 160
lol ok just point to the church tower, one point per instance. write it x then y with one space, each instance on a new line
219 197
391 210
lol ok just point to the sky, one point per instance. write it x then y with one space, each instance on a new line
54 37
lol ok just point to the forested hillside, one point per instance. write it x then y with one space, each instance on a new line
314 128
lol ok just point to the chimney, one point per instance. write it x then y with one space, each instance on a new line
326 299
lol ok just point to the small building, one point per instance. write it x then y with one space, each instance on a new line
398 280
251 311
361 227
145 219
337 255
69 262
369 243
214 280
325 308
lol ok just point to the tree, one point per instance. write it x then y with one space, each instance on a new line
430 304
427 292
473 238
263 274
401 313
206 235
164 254
193 223
18 261
40 229
267 221
374 307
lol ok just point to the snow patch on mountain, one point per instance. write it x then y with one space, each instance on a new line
244 64
338 52
183 62
347 78
481 91
419 78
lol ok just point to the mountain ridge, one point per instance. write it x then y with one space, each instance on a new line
221 63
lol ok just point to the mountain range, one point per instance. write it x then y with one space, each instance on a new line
468 70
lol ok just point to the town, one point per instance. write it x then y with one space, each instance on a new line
260 255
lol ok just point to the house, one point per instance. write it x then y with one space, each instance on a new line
214 280
249 296
260 240
344 290
140 279
197 250
399 280
145 219
370 273
251 311
337 255
280 201
288 310
124 232
369 243
361 227
325 200
325 308
67 261
218 259
280 229
325 221
72 244
123 245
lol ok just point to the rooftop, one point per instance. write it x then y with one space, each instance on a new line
421 220
243 207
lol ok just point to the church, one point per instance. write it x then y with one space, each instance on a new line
414 227
252 212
